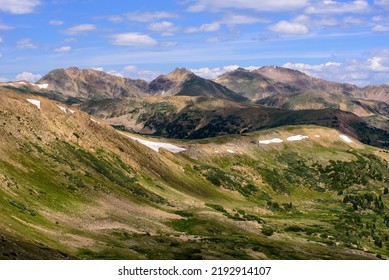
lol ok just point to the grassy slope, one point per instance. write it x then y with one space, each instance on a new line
84 191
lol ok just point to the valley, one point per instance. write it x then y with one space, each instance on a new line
71 186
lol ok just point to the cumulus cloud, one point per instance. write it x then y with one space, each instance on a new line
380 28
63 49
379 63
265 5
373 70
25 43
287 27
208 27
28 76
133 39
133 72
165 27
212 73
18 6
236 19
115 73
338 7
382 3
80 29
56 22
148 16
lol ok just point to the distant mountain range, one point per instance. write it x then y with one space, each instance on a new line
78 181
223 106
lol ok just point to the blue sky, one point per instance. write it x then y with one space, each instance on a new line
345 41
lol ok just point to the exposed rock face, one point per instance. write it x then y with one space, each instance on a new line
92 84
269 80
183 82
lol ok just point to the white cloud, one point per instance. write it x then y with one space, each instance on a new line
6 27
264 5
115 73
28 76
98 68
134 72
379 64
380 28
383 3
212 73
133 39
149 16
19 6
25 43
287 27
168 44
80 29
165 27
3 80
338 7
63 49
130 68
313 69
70 40
56 22
208 27
235 19
373 70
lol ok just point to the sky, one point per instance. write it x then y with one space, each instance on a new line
343 41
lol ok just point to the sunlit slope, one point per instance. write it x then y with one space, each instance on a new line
73 187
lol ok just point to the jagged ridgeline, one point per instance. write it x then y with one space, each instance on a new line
71 186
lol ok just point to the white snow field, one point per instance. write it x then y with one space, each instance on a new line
93 120
296 138
62 109
42 86
156 145
345 138
274 140
35 102
230 151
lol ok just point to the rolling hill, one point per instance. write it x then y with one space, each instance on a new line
72 187
202 117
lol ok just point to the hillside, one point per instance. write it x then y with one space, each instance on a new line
85 84
73 187
269 80
201 117
182 82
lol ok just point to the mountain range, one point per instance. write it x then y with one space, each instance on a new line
222 177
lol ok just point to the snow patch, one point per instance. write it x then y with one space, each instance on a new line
296 138
94 121
230 151
42 86
274 140
22 83
156 145
317 136
345 138
62 108
11 84
35 102
71 111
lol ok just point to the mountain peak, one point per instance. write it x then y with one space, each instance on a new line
179 73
